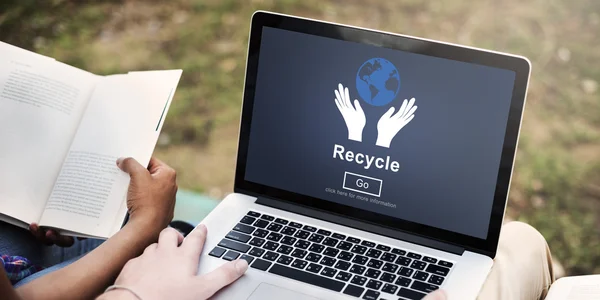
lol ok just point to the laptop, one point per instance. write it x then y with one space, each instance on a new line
370 165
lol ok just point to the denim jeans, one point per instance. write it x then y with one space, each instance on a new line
19 241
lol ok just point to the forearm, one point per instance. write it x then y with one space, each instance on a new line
89 276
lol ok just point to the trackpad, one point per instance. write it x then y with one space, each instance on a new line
268 291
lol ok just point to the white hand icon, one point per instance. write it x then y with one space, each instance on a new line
388 125
353 115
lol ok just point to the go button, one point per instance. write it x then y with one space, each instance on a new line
362 184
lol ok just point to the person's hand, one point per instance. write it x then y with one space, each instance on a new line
354 116
151 194
389 125
167 270
436 295
50 237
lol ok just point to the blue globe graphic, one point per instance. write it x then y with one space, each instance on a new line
378 81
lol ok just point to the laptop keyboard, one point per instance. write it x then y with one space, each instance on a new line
331 260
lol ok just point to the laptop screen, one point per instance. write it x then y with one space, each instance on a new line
414 137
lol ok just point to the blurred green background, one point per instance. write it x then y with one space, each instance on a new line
556 184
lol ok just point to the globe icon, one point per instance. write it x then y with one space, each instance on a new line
377 81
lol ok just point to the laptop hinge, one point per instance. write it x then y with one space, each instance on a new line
361 225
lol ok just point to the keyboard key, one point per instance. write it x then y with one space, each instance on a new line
419 275
247 220
437 270
257 242
436 279
338 236
302 234
281 221
353 290
390 268
444 263
374 284
261 223
271 246
373 253
359 259
217 252
331 252
410 294
257 252
356 269
368 244
413 255
345 255
283 249
419 265
388 277
316 238
316 248
372 273
424 287
389 257
238 236
274 227
328 261
243 228
273 236
331 242
353 240
344 246
358 249
299 264
324 232
383 248
314 257
430 260
288 240
260 264
389 288
267 217
342 265
296 225
284 260
404 271
403 261
248 258
307 277
230 255
403 281
302 244
359 280
314 268
299 253
253 214
309 228
373 263
343 276
289 230
329 272
261 233
398 251
271 256
229 244
371 295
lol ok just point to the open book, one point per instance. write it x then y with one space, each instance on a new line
61 132
575 288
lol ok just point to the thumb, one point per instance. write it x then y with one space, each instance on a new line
224 275
357 106
388 113
436 295
130 166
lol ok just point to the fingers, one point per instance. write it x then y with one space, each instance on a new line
337 103
339 98
155 165
388 113
169 238
437 295
132 167
39 234
358 107
406 111
194 242
410 112
402 109
59 240
223 276
347 98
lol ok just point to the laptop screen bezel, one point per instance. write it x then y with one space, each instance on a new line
518 64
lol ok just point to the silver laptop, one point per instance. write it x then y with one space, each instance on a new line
370 165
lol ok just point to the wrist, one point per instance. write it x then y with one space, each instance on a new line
117 295
355 136
383 142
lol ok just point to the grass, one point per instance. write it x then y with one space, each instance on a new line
556 185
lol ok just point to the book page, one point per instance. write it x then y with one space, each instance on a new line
41 104
575 288
123 119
